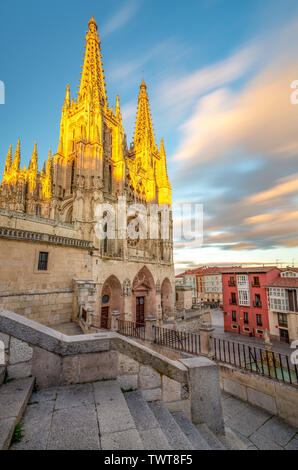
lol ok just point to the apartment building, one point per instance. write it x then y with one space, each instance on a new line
245 301
283 306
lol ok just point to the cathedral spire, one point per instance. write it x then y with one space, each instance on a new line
92 85
8 160
33 165
49 164
117 108
67 97
162 148
144 135
17 157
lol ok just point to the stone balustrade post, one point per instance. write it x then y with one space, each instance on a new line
205 395
149 333
206 340
115 318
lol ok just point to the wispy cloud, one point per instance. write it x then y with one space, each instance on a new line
283 187
182 91
120 17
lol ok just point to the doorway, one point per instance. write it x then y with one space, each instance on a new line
105 318
284 335
140 310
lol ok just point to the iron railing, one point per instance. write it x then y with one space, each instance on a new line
273 365
129 328
257 360
180 340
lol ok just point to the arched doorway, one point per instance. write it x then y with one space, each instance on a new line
166 298
111 299
143 296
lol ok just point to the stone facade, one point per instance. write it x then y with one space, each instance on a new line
49 242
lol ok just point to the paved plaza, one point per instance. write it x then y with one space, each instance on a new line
257 428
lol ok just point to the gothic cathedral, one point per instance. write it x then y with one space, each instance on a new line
56 268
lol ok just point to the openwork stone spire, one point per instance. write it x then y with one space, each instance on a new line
92 85
144 135
17 157
8 160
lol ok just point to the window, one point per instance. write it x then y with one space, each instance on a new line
243 297
282 319
242 280
259 320
258 302
72 177
260 332
43 261
246 318
105 241
256 281
234 315
110 180
37 210
233 298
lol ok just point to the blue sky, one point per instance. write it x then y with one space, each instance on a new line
218 74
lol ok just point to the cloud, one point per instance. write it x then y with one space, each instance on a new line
120 71
259 119
180 92
239 145
284 187
121 17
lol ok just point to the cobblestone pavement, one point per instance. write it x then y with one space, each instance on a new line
67 418
257 428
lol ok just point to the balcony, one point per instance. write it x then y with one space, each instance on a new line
233 302
232 283
255 284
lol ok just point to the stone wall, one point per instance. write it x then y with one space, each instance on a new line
46 307
277 398
45 296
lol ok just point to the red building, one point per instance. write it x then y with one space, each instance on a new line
245 301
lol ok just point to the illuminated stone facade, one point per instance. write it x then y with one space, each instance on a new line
93 165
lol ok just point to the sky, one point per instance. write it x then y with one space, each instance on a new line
219 76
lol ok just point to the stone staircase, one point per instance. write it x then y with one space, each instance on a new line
99 416
14 397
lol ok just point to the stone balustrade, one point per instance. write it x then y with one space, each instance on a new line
190 385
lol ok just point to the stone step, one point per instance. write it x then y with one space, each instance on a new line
209 436
117 427
175 436
231 441
14 397
191 432
147 425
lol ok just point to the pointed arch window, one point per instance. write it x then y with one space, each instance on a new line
110 179
105 241
72 177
